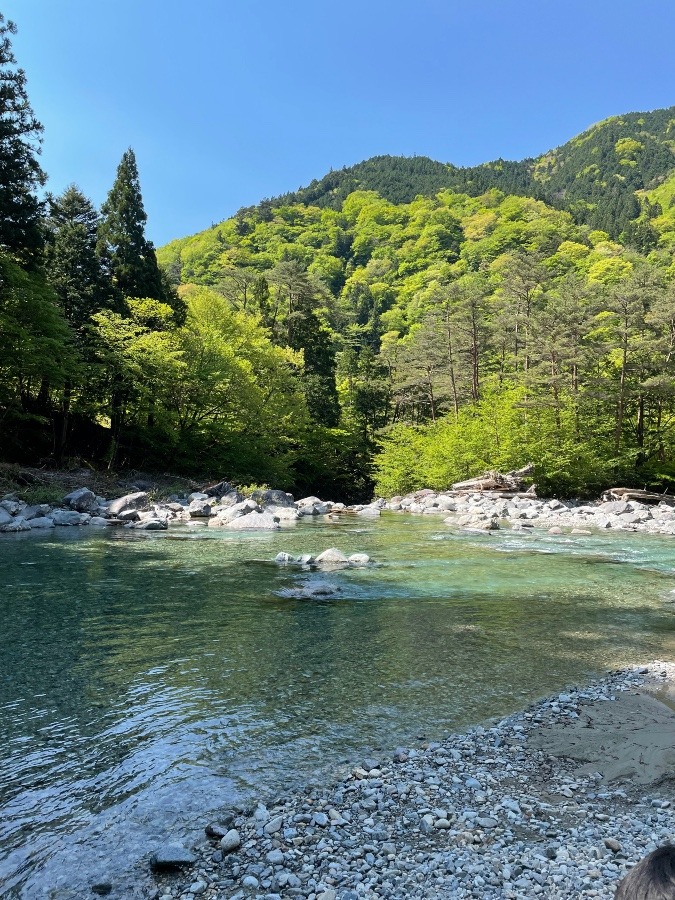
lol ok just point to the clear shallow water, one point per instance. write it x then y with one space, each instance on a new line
148 679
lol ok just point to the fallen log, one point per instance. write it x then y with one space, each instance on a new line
496 495
640 496
495 481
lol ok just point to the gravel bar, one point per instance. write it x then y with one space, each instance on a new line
495 812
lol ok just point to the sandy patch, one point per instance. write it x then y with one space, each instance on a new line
631 737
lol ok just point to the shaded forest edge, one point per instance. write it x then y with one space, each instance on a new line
336 342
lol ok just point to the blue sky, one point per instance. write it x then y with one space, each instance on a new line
226 103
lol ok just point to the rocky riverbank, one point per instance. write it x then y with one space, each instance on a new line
490 510
223 506
217 506
554 802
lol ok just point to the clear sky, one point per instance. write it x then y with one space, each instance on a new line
229 102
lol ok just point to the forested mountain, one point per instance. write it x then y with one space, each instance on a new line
476 329
400 324
594 176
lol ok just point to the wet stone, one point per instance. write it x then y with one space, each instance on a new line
172 856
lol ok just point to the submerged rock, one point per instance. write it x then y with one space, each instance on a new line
151 525
358 559
332 557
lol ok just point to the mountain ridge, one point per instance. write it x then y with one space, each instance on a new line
595 175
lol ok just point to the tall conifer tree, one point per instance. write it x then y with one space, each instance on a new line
122 236
20 171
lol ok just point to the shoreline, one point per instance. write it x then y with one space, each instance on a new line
526 806
222 505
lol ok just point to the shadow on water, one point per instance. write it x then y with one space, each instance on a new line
149 679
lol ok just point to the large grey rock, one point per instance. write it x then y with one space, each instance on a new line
200 508
33 512
172 856
41 522
10 506
277 498
283 513
5 517
217 490
197 495
18 523
97 522
128 515
238 509
254 520
68 517
81 500
307 501
371 510
230 498
312 506
332 557
129 501
614 507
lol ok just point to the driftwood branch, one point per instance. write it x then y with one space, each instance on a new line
498 481
623 493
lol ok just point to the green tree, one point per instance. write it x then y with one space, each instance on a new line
71 260
122 241
76 274
37 352
20 171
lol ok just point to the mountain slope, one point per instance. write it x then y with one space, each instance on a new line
594 176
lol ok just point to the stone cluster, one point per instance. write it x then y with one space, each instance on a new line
489 511
479 815
219 506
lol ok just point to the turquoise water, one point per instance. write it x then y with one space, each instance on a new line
148 679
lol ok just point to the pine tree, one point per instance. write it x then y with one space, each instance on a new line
131 256
20 171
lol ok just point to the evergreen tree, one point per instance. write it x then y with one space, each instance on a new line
72 264
20 171
122 241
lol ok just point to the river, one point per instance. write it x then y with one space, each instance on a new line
149 679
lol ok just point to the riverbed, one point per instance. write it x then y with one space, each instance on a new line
149 679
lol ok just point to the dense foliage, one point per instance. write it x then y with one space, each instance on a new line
472 332
402 320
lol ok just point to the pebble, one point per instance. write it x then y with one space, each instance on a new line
231 841
445 823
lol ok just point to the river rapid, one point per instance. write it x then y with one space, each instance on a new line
149 679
